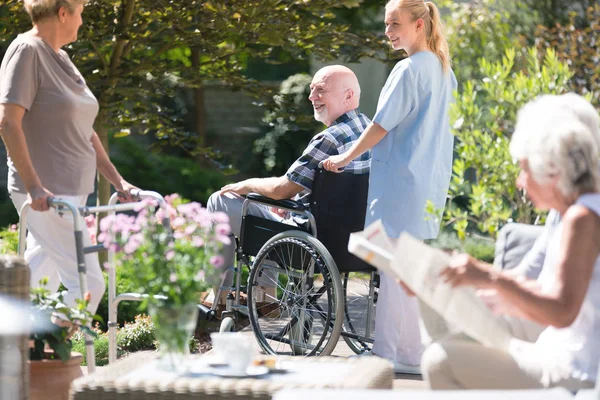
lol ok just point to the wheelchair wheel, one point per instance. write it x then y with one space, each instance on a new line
305 315
360 298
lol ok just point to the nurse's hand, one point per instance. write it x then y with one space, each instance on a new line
336 163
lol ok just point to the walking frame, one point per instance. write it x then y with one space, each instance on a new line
79 213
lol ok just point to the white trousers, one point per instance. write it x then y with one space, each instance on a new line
51 252
397 331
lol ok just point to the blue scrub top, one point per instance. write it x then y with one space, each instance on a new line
413 162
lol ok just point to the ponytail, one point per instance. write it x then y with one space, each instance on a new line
436 40
434 29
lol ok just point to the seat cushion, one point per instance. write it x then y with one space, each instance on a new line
513 242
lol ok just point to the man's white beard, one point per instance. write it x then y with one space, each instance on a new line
320 116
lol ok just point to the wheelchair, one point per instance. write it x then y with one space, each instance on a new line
322 291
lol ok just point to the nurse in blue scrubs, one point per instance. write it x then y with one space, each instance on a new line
411 160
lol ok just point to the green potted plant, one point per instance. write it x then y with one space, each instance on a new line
52 362
171 267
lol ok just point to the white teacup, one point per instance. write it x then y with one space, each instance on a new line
233 348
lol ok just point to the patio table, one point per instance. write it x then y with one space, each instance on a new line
137 377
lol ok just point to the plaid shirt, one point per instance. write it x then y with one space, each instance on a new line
336 139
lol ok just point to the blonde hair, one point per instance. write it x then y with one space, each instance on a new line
42 9
434 29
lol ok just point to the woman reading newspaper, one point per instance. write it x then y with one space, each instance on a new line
558 155
411 163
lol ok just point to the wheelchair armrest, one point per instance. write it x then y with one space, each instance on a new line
286 203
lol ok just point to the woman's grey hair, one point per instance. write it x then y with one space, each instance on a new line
559 136
42 9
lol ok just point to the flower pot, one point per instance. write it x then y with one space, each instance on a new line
51 379
173 328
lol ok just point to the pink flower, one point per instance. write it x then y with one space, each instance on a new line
178 222
171 198
197 241
203 219
190 229
13 228
200 276
90 221
223 229
169 255
226 240
130 247
145 203
217 261
173 277
106 223
220 217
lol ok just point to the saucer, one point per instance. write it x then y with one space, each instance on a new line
251 372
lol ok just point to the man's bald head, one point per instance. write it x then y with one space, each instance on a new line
333 92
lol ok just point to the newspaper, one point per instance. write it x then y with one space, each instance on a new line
418 266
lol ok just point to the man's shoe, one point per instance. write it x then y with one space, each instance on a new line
400 368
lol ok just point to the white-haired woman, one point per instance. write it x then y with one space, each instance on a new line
559 170
411 160
47 114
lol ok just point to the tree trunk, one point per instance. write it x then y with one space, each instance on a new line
103 183
200 120
103 192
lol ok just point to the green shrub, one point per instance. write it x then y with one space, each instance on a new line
483 193
132 337
578 47
127 309
100 347
478 247
291 126
165 174
138 335
9 240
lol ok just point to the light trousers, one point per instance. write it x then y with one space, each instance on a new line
51 252
397 331
455 361
459 363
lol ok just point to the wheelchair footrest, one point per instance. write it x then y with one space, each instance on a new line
205 313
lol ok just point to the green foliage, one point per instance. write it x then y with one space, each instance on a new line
480 248
45 311
483 193
578 48
133 54
165 173
127 309
136 336
9 240
484 29
291 126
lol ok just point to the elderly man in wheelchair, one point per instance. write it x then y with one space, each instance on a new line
292 231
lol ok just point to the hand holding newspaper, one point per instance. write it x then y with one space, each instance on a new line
418 266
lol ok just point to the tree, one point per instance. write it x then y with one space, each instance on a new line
291 126
135 53
484 29
483 194
578 47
